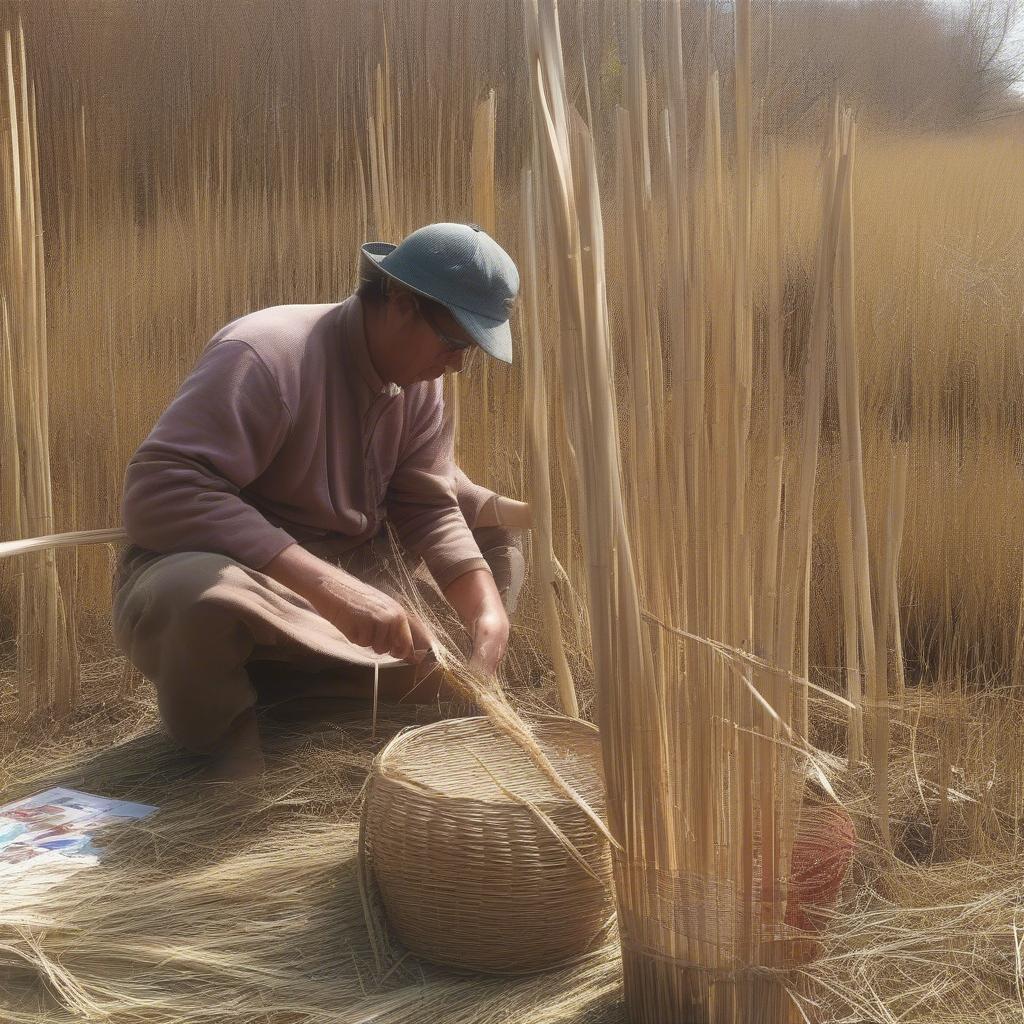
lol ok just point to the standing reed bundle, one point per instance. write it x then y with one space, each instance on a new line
474 448
698 577
866 626
539 458
47 665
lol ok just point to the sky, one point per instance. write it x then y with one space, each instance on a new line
1016 40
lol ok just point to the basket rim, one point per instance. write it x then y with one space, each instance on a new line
379 772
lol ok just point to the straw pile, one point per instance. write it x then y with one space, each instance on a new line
244 905
232 904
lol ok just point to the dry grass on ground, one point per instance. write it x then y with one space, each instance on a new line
234 903
242 904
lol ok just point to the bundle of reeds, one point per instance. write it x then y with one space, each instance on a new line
47 651
697 534
867 619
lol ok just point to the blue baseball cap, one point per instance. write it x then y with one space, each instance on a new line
463 268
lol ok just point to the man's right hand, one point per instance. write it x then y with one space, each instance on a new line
367 616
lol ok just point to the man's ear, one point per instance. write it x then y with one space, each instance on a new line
403 302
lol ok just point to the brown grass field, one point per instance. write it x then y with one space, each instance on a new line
198 162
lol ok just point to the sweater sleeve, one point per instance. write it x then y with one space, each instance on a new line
472 497
221 431
422 500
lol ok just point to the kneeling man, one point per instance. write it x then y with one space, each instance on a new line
256 505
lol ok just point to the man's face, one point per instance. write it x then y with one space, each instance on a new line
425 355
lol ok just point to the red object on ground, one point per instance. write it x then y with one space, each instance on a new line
822 852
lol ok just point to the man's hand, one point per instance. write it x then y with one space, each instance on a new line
369 617
475 598
364 614
490 639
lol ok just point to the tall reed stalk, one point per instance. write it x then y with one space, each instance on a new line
539 455
47 656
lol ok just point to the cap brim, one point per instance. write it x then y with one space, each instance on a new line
376 251
493 336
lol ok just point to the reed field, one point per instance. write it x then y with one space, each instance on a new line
766 405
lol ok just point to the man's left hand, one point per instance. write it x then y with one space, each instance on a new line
475 598
490 638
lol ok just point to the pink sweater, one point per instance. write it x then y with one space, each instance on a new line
284 432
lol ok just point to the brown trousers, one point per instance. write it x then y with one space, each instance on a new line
208 631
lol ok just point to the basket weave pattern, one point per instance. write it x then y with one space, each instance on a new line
469 875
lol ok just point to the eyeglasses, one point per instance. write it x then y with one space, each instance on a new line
454 344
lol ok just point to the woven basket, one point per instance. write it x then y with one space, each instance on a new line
468 874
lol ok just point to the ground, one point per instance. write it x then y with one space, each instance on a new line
240 902
237 902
